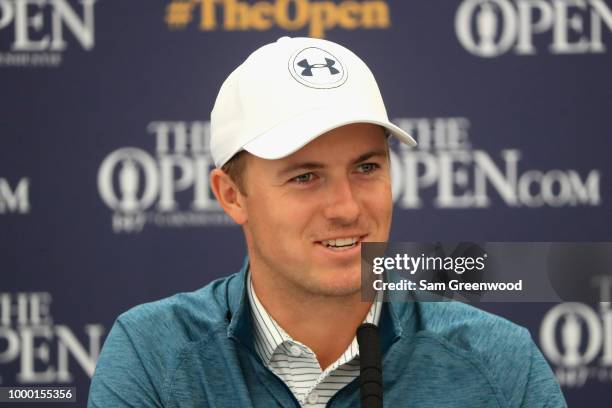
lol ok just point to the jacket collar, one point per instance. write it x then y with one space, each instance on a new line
239 312
241 326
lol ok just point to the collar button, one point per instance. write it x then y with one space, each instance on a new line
313 398
295 351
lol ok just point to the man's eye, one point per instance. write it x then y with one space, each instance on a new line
303 178
368 167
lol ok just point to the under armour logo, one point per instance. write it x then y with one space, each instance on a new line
327 72
329 63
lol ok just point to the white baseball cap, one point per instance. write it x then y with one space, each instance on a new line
287 93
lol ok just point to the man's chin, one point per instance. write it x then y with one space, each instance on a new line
336 291
338 284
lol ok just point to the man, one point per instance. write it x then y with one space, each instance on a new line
299 138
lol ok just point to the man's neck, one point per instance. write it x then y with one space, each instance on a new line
326 324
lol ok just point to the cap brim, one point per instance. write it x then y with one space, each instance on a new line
290 136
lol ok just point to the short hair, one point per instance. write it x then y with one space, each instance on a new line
234 168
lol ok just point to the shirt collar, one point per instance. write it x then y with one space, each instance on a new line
269 335
241 323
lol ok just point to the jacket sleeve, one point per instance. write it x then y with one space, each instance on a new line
542 389
123 378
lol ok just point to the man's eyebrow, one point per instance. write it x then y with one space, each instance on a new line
316 165
369 155
300 166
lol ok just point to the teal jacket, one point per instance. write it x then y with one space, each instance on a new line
196 350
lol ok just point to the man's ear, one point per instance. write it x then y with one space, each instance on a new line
229 196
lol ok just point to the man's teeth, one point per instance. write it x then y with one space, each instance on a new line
341 242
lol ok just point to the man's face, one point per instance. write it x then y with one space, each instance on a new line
307 214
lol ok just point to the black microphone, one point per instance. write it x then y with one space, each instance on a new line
370 369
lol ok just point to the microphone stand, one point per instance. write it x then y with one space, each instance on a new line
370 368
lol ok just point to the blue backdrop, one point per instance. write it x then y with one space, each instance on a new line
104 124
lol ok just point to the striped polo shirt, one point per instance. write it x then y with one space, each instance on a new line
296 364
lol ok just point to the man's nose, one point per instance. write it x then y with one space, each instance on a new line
342 205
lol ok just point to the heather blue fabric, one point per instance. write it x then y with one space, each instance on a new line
196 350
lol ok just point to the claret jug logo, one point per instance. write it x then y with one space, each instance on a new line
168 188
33 32
290 15
490 28
577 339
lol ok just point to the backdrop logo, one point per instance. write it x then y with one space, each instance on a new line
15 199
317 68
36 30
577 340
291 15
489 28
169 188
447 172
40 349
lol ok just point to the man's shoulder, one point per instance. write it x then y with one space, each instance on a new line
470 328
186 316
501 350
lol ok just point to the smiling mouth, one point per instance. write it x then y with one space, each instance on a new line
341 244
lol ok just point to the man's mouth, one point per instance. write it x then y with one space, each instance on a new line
341 244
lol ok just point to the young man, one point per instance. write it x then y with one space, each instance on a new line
299 139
